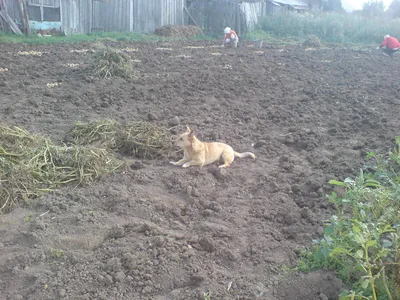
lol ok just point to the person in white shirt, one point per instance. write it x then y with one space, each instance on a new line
231 38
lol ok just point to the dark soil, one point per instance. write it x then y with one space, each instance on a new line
156 231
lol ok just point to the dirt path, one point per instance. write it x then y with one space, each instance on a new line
159 232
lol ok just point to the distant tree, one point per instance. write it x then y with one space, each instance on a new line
373 8
315 4
331 5
394 9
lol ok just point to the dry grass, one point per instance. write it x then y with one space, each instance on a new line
31 165
140 139
312 41
110 62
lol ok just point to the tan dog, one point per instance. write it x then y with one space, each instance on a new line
197 153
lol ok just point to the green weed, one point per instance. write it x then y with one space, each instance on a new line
362 240
28 218
330 27
56 253
207 296
94 37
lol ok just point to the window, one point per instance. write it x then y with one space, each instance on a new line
34 13
44 10
51 14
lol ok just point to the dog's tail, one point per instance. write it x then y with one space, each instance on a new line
245 154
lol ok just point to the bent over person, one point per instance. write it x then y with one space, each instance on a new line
231 38
390 45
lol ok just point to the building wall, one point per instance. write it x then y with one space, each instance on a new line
86 16
76 16
148 15
242 16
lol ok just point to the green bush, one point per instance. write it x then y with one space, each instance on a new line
362 241
331 27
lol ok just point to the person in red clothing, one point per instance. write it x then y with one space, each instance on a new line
390 45
230 38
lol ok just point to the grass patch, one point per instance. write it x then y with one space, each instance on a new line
270 38
362 240
93 37
31 165
140 139
78 38
330 27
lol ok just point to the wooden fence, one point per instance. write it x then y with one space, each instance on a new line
214 16
87 16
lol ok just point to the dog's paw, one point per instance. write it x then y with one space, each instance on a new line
172 163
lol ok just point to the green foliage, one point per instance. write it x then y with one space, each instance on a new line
362 241
270 38
94 37
373 8
331 27
56 253
394 9
34 39
207 296
331 5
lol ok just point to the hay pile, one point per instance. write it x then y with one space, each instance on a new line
110 62
312 41
140 139
179 31
31 165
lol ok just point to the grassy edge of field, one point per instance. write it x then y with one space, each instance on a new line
94 37
268 39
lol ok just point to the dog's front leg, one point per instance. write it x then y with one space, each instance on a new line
179 163
192 163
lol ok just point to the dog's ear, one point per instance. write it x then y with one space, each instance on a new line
191 133
188 130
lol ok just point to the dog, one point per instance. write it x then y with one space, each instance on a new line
197 153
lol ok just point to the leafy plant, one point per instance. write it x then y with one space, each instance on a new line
56 253
333 27
362 241
207 296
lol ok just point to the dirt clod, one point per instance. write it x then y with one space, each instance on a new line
207 243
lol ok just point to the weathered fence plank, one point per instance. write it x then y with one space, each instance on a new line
213 16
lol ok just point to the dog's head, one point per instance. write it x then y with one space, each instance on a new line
185 140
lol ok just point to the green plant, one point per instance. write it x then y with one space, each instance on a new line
56 253
332 27
28 218
207 296
93 37
362 241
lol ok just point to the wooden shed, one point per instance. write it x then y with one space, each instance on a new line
241 15
87 16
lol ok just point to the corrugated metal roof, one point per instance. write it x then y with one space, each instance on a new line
274 3
291 2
